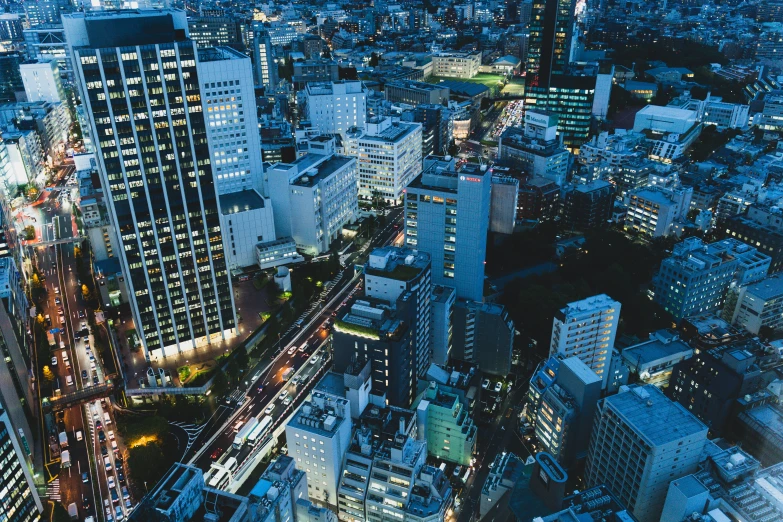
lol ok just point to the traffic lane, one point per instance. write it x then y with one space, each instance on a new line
72 488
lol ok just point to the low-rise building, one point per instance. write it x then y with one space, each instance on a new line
279 252
246 219
757 306
416 93
536 149
456 64
588 206
652 361
653 211
446 424
538 200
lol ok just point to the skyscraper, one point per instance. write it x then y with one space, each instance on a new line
264 57
20 498
144 103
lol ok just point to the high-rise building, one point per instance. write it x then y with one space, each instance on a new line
154 161
319 435
21 502
483 335
641 442
336 107
11 27
446 423
695 278
436 129
42 81
41 12
217 31
587 329
264 57
447 216
388 156
757 305
393 273
536 149
443 299
11 86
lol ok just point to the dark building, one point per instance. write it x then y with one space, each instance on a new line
214 31
709 383
435 136
416 93
312 46
11 86
539 200
314 71
769 11
483 335
767 238
370 330
588 206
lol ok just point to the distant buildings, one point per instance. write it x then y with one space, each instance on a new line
641 442
587 329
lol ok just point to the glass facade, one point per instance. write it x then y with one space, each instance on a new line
18 501
145 108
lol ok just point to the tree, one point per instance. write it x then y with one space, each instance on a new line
47 374
219 384
146 462
59 513
241 358
374 60
40 319
85 292
29 232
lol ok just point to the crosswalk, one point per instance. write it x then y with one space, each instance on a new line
193 431
53 490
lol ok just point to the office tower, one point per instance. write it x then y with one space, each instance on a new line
483 334
436 129
264 57
313 198
41 82
217 31
318 436
696 277
41 12
535 149
503 204
20 500
587 329
551 31
416 93
641 442
565 411
445 422
226 81
588 206
447 216
156 173
710 383
11 27
336 107
394 273
388 155
11 86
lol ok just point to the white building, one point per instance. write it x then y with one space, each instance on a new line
587 329
246 219
228 98
536 148
279 252
653 211
641 442
42 81
757 305
318 436
388 155
313 198
670 130
336 107
456 64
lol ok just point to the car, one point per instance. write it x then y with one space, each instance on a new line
128 504
457 471
77 336
498 387
104 450
60 310
83 325
269 409
101 436
112 484
69 380
118 514
56 289
114 446
485 384
115 498
79 435
85 376
57 301
110 433
292 350
81 314
99 425
85 478
120 475
303 348
62 320
109 513
125 493
314 359
95 379
54 360
107 463
261 387
283 394
118 461
85 502
288 400
92 363
216 454
298 323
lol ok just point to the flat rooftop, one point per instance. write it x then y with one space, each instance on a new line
654 350
315 173
242 201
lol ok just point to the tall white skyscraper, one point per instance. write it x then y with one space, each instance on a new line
641 442
388 155
155 166
336 107
587 329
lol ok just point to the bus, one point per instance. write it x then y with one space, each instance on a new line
241 436
260 431
219 479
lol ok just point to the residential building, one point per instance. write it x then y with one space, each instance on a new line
319 435
336 107
597 503
371 331
436 129
42 81
51 121
641 442
588 206
442 303
26 157
536 149
652 361
11 27
564 416
388 157
11 86
447 216
392 273
264 58
758 305
312 198
483 334
696 277
226 82
709 383
540 381
416 93
456 64
39 12
538 200
173 313
587 329
281 251
446 424
504 473
761 226
653 211
275 496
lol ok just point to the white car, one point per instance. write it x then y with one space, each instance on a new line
79 435
111 482
485 384
292 350
69 380
56 290
498 387
54 360
269 409
110 433
283 394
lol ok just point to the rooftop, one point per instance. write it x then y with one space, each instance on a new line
769 288
214 54
401 264
656 418
242 201
654 351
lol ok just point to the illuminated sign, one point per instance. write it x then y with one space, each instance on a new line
471 179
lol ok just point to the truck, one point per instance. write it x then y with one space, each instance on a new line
241 436
73 511
65 459
50 338
63 440
287 374
259 431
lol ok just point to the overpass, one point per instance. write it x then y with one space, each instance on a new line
78 397
61 241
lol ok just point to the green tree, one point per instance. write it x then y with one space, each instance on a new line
60 514
241 357
219 384
29 232
147 464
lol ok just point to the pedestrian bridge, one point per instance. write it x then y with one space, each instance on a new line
82 396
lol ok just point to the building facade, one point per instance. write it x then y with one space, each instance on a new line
336 107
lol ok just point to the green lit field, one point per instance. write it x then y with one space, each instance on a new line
490 80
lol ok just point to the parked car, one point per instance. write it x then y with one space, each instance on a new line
54 360
485 384
498 387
